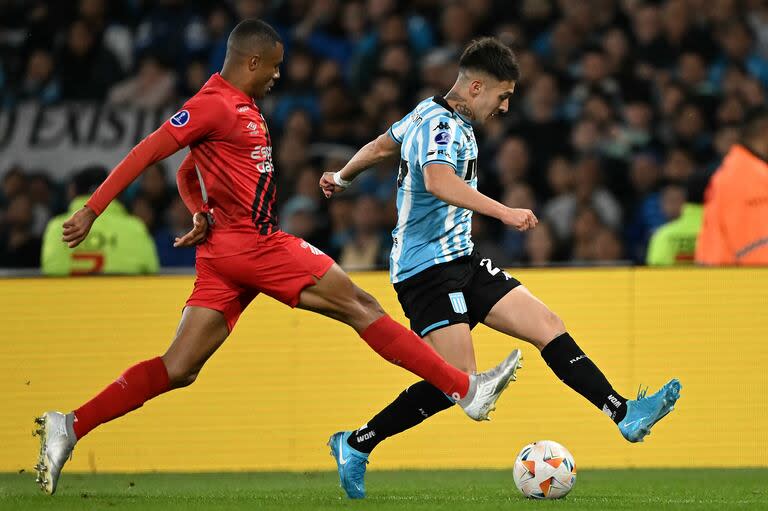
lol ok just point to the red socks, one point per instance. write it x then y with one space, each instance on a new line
388 338
404 348
137 385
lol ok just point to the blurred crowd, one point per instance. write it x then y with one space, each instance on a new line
620 104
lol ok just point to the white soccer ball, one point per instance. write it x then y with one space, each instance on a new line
544 470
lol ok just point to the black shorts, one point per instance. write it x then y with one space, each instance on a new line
460 291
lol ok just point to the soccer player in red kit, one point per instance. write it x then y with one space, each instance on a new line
242 253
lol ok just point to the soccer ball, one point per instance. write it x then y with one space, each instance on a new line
544 470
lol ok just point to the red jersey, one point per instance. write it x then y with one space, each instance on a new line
231 147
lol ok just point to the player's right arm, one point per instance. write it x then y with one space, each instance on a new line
371 154
155 147
201 117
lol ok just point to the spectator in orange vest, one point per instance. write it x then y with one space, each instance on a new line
735 228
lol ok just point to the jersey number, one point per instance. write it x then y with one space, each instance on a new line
488 264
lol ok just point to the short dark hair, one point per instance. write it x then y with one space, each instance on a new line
491 56
252 32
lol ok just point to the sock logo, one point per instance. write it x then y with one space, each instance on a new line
422 412
614 401
608 412
577 358
365 436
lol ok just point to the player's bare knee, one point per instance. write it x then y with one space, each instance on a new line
180 374
555 323
183 378
368 303
553 327
361 310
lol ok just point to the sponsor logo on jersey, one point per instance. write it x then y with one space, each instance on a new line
442 138
243 108
180 119
442 126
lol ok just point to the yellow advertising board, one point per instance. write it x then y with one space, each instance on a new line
285 380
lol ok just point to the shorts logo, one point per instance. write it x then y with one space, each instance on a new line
442 138
458 302
180 119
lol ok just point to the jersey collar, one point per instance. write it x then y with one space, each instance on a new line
440 100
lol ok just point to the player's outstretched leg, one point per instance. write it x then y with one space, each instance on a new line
415 404
335 296
200 333
524 316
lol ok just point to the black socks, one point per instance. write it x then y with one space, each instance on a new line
412 406
571 365
422 400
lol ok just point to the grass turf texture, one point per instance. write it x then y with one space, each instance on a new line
453 490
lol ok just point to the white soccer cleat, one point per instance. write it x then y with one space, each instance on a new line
57 440
486 387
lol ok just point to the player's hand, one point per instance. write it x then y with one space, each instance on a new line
520 219
329 186
76 228
196 235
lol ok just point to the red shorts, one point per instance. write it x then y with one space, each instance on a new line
281 266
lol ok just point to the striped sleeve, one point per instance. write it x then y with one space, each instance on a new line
397 130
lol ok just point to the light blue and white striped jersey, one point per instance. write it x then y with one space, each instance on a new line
428 230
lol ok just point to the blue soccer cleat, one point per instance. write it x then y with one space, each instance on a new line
645 411
351 464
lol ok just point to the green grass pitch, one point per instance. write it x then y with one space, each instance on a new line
453 490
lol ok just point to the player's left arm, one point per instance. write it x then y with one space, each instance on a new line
191 192
371 154
440 145
440 180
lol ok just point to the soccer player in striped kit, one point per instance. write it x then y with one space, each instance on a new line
444 286
241 253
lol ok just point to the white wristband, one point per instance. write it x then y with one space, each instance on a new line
339 181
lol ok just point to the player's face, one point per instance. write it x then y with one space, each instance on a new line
493 99
267 70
